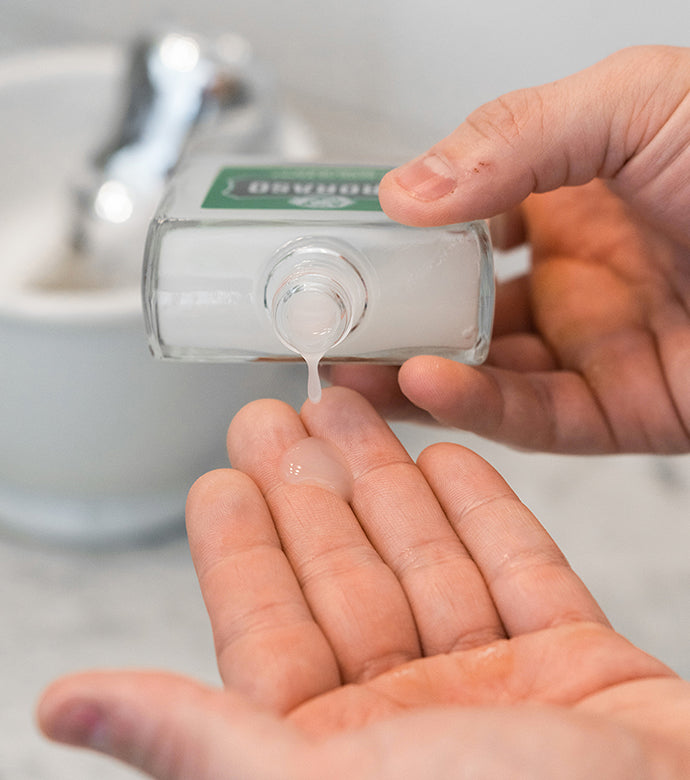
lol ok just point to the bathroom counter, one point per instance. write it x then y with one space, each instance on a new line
623 522
66 610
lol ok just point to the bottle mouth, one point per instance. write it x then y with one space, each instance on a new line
315 296
312 314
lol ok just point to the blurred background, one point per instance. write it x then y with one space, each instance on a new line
378 78
422 65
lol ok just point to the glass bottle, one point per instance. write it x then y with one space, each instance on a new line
280 262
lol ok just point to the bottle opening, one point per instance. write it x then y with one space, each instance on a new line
315 296
311 317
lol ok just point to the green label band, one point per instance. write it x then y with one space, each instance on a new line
296 187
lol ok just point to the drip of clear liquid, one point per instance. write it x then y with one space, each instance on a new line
313 378
315 296
311 320
317 462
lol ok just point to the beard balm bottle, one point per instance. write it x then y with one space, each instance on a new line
284 262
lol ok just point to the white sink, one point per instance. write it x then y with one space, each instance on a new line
99 442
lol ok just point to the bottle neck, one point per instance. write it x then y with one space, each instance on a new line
315 295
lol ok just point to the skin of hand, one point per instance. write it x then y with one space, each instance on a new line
591 348
431 629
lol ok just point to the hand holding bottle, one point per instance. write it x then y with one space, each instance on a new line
591 349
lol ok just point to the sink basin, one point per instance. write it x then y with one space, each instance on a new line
99 442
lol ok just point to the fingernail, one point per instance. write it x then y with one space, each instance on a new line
426 178
80 723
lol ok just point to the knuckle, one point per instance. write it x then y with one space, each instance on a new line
506 118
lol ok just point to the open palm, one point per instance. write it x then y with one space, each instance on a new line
430 626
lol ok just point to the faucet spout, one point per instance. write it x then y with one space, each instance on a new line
181 91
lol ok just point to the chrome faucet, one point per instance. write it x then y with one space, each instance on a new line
181 90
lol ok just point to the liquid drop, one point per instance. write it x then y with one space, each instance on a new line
310 321
317 462
313 380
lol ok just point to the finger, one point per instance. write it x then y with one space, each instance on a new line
564 133
402 518
354 597
169 727
522 353
378 384
267 643
551 411
529 579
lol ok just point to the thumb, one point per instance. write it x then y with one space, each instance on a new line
167 726
625 119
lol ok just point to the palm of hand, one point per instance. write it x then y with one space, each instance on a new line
431 628
434 630
442 591
610 308
590 349
584 666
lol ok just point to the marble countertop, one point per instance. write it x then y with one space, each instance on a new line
624 523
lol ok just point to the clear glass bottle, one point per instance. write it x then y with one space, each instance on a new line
267 262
